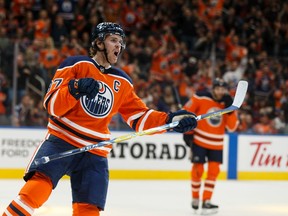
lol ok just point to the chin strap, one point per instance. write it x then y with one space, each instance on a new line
103 50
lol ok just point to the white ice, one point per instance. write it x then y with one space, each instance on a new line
166 198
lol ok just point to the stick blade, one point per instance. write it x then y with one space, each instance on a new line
240 93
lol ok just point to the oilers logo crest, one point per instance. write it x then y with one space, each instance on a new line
101 105
214 121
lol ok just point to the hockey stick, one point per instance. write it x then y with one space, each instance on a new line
237 102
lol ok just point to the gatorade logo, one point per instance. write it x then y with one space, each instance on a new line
101 105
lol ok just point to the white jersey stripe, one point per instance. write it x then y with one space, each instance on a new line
210 182
195 183
208 189
83 129
52 102
27 208
134 117
209 142
210 135
144 120
79 141
233 129
8 213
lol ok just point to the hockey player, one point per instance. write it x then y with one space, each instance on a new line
207 141
83 96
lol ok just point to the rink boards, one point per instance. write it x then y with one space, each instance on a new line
163 156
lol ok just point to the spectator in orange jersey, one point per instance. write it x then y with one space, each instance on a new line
245 122
176 71
112 10
130 15
42 26
170 39
208 10
277 95
159 70
264 126
185 89
234 51
20 6
49 58
207 142
71 47
3 99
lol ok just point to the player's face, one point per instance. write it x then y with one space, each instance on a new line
219 92
113 44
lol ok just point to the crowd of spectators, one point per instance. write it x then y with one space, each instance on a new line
174 49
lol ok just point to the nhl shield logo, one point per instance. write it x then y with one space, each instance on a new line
101 105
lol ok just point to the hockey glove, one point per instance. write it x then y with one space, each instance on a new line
83 86
187 120
227 99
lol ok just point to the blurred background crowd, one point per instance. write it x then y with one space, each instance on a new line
174 48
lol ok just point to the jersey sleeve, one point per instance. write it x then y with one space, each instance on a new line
192 104
58 100
231 121
137 115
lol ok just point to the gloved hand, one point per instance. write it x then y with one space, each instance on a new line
83 86
187 120
227 100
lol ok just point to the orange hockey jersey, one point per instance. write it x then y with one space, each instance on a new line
85 121
210 132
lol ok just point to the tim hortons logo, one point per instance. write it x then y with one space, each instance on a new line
262 157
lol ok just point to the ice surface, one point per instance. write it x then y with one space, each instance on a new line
166 198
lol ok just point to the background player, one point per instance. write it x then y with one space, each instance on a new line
83 96
207 141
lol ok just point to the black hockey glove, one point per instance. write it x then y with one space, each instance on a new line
83 86
227 99
187 120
